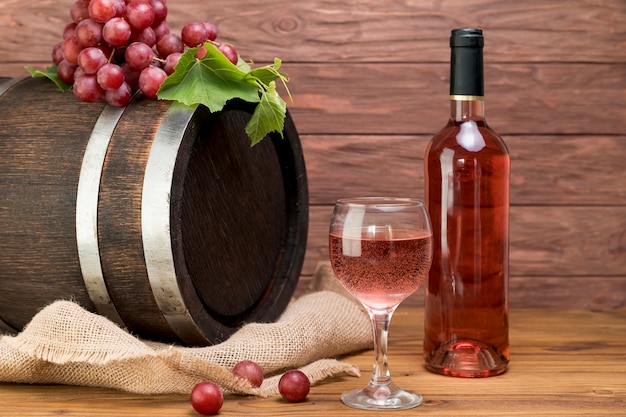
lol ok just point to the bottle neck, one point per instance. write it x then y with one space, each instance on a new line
466 75
463 108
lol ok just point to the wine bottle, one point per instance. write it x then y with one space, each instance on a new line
467 169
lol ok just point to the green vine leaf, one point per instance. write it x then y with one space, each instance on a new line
213 80
50 73
269 116
267 73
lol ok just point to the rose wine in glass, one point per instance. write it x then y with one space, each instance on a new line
381 251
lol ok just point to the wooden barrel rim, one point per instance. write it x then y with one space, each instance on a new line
7 84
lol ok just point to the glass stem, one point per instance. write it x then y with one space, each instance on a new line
380 326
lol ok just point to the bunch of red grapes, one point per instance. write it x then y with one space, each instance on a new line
114 47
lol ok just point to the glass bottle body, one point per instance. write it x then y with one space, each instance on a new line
467 169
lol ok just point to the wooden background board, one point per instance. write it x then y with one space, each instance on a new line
369 80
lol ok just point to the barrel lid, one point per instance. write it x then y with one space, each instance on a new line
239 220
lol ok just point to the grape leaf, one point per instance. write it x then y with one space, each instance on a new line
213 80
267 73
269 116
50 73
243 65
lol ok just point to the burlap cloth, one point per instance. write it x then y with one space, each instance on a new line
65 344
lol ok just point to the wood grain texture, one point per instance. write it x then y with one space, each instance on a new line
529 98
370 78
564 362
37 223
546 170
362 30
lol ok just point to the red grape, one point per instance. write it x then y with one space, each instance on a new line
150 81
229 52
171 61
294 386
160 11
79 10
211 30
207 398
161 29
86 89
65 71
138 55
57 53
146 36
119 97
193 34
68 30
249 370
71 49
131 76
104 10
88 32
91 59
110 76
169 43
140 15
116 32
78 73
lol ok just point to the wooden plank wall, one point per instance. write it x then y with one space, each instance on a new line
369 80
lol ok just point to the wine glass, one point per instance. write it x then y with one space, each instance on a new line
381 251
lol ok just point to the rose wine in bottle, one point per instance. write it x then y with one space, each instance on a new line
467 169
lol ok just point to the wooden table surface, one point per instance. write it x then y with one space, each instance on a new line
563 363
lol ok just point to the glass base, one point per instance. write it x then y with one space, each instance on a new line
381 397
467 359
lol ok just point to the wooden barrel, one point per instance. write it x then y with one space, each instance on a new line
161 217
